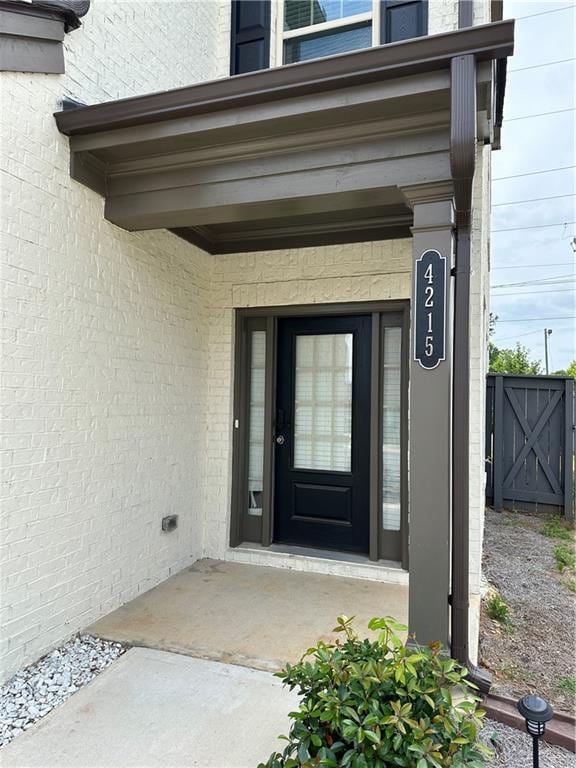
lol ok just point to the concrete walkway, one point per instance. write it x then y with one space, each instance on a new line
251 615
152 708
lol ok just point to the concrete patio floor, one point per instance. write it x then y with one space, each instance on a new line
152 709
249 615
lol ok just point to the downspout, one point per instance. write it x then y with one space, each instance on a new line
462 162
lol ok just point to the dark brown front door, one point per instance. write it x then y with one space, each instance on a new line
322 432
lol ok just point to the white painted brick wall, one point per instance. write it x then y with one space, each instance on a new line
104 357
117 347
442 16
479 315
362 272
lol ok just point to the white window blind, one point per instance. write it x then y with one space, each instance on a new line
323 402
391 429
256 422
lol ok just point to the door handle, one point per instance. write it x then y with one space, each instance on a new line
280 440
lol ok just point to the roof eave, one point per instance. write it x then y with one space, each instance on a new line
424 54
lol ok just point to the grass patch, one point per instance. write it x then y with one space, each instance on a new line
556 529
565 558
508 672
570 584
497 608
567 684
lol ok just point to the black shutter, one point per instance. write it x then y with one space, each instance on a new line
402 19
250 43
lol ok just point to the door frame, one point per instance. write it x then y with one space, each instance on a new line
384 545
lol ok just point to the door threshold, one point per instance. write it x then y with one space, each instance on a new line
328 562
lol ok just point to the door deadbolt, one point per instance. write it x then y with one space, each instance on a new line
280 439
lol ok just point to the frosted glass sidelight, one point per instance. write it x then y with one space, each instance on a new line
391 429
256 422
323 402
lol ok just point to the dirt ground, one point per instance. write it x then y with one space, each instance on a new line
534 651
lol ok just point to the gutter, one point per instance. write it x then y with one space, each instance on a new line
462 163
409 57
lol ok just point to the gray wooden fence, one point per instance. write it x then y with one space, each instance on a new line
530 443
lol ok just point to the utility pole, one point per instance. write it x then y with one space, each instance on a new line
547 332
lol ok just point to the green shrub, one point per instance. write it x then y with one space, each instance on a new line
565 557
497 608
556 529
376 703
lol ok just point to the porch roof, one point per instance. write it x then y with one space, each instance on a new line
317 152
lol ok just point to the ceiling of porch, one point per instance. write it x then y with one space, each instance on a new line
318 152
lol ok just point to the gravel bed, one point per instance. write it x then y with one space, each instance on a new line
37 689
513 749
534 653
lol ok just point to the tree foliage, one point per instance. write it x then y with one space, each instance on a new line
570 371
516 360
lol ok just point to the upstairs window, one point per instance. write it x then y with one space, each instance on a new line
317 28
313 29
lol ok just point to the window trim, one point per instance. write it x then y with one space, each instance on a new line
384 545
348 21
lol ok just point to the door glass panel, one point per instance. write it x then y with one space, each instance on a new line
323 402
391 431
256 422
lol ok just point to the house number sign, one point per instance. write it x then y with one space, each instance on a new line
430 309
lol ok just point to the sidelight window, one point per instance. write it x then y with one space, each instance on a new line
256 421
391 428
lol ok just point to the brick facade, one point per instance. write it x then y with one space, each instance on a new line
117 358
104 358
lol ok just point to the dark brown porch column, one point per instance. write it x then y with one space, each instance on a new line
430 420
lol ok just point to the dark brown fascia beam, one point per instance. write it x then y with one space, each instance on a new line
30 39
260 198
198 238
69 11
485 42
302 240
500 92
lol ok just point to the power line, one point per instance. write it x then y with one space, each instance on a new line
539 114
533 200
535 226
519 336
538 66
543 282
531 293
534 173
539 280
537 319
534 266
543 13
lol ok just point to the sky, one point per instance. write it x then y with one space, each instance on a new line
545 32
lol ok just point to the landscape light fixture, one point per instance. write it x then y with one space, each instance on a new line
537 712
